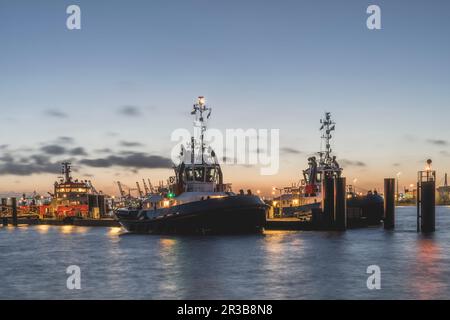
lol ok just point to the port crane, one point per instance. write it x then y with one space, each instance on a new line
150 186
91 186
147 191
122 192
139 190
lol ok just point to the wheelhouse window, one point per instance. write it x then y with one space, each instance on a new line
210 174
199 174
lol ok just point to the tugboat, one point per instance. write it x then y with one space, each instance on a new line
306 195
197 201
299 200
325 166
73 198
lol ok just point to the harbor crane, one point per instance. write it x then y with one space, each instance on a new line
122 192
141 194
91 186
150 186
147 191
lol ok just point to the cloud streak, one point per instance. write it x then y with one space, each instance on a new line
130 144
288 150
130 111
136 160
438 142
35 165
55 113
351 163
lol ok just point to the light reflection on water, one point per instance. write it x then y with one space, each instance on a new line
276 265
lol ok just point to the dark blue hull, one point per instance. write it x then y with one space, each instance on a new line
229 215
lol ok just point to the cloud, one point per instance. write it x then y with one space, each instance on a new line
55 113
288 150
78 151
6 157
396 164
37 165
130 144
350 163
130 111
136 160
104 150
53 149
438 142
65 140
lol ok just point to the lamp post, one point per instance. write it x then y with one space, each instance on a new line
398 190
281 204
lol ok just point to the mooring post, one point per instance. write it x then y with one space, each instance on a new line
428 206
340 204
389 203
14 211
328 199
3 210
426 199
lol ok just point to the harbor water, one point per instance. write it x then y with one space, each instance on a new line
275 265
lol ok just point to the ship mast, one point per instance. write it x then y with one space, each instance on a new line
198 109
66 169
327 126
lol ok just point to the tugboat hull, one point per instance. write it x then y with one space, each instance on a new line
228 215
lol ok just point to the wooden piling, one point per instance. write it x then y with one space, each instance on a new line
389 203
340 204
428 206
14 211
3 212
328 199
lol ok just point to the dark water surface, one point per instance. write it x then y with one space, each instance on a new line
276 265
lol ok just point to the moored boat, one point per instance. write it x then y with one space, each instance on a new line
196 199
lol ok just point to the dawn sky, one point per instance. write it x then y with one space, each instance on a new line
109 95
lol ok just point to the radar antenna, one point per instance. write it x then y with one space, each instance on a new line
199 108
66 170
327 127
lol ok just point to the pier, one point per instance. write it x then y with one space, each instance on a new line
10 214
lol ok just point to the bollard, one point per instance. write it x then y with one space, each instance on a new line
14 211
427 206
389 203
328 199
3 212
340 204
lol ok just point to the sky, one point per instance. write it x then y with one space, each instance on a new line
109 95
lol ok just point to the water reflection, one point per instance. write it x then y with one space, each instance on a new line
43 229
113 232
427 272
169 262
278 264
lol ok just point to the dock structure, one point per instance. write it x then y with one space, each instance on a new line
426 199
11 214
9 211
3 212
389 203
340 204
